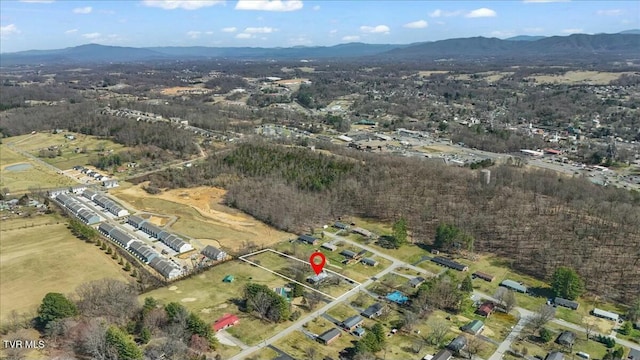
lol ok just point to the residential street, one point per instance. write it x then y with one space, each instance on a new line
502 348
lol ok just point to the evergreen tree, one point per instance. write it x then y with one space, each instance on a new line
566 283
55 306
125 347
467 284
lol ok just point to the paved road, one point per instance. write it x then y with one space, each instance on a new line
506 344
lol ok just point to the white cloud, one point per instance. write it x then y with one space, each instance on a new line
193 34
351 38
420 24
209 32
611 12
91 36
259 30
181 4
440 13
244 36
316 8
534 29
269 5
333 31
480 13
83 10
379 29
229 29
71 31
572 31
7 30
544 1
503 34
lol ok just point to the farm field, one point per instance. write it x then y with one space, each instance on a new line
33 143
580 77
202 215
210 297
44 258
19 174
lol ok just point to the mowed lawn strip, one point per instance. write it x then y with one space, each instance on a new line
47 258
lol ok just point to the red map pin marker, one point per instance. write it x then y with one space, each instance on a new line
317 261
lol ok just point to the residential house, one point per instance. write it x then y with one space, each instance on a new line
308 239
89 194
341 226
457 344
150 229
165 267
634 354
483 276
558 301
352 322
369 261
142 251
88 217
514 285
449 263
485 309
417 281
174 242
121 238
373 311
566 338
363 232
316 279
554 355
329 336
110 184
135 221
214 253
474 327
605 314
329 246
443 354
348 254
227 320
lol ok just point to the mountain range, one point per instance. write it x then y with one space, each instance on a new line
620 46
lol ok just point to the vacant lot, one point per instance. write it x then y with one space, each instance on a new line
202 215
40 255
580 77
20 174
73 152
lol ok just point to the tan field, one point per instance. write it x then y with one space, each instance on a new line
428 73
203 216
177 90
40 255
19 174
580 77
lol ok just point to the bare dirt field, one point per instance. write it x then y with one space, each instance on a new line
177 90
580 77
431 72
202 215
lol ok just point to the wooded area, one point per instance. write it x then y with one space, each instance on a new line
538 219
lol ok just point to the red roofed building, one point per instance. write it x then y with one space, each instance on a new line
485 309
226 321
552 151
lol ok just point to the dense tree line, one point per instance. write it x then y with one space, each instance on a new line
539 219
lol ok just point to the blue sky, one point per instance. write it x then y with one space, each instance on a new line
46 24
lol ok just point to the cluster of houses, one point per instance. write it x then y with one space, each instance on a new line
106 181
69 202
173 241
140 250
105 202
350 256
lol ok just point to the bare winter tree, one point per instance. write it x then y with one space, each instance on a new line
312 299
543 315
589 327
474 346
439 330
260 303
115 300
509 300
93 340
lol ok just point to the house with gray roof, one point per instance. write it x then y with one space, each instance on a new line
352 322
135 221
514 285
165 267
150 229
142 251
213 253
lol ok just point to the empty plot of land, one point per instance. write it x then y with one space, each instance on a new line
428 73
202 215
46 258
20 174
578 77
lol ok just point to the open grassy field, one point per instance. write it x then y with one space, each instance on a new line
46 258
20 174
356 271
580 77
202 215
33 143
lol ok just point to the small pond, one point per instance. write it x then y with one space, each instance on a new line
18 167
